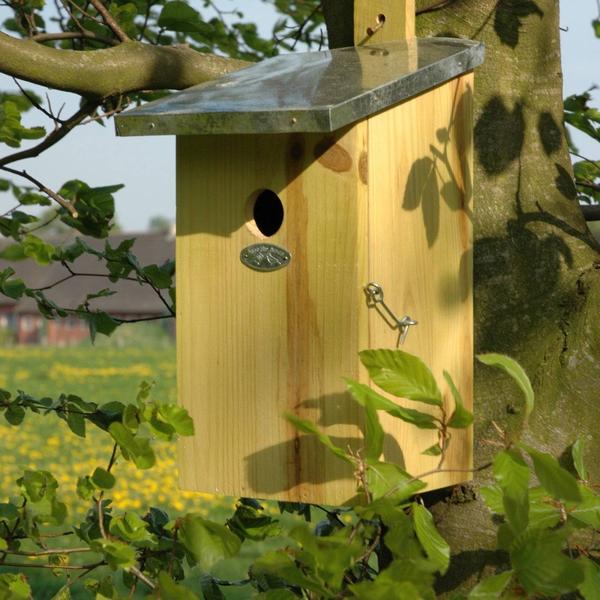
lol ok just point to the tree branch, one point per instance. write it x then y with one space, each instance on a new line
58 134
128 67
110 20
74 35
46 190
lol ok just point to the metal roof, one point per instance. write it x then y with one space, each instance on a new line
311 91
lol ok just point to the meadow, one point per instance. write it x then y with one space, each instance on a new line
103 373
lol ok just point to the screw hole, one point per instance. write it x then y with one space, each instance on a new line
380 19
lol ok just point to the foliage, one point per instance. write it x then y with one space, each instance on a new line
580 115
385 546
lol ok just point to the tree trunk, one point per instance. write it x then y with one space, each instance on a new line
537 268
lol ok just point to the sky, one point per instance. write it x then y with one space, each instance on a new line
147 165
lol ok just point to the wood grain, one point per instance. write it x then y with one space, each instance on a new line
388 200
420 251
399 23
253 345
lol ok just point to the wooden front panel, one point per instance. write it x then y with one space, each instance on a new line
420 244
254 345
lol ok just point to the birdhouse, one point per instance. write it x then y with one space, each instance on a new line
324 205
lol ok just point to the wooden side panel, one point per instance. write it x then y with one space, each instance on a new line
253 345
420 243
398 21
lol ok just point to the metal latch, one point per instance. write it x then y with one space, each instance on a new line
375 300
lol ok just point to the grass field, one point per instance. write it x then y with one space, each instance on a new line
104 373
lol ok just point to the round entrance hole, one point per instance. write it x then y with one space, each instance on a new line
264 213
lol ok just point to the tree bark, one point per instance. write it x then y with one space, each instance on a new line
537 268
128 67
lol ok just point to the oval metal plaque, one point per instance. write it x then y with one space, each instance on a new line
265 257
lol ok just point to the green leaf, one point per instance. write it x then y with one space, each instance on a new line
3 544
38 485
211 590
390 481
75 420
8 511
384 589
207 542
402 374
178 418
558 481
491 587
309 427
180 16
361 392
515 370
588 510
99 322
169 590
103 479
435 546
38 249
14 587
134 447
251 522
130 527
461 417
540 564
14 414
374 434
577 452
434 450
590 586
596 26
117 554
512 474
85 488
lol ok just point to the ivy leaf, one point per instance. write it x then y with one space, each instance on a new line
540 564
491 587
461 417
515 370
512 474
402 374
207 542
103 479
308 427
435 546
577 452
361 392
558 481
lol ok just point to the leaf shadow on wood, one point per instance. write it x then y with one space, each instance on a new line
509 17
308 460
423 190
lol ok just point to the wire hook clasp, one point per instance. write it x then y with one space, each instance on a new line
374 293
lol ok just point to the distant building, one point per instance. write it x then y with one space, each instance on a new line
21 320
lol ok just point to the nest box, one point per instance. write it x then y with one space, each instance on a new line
307 185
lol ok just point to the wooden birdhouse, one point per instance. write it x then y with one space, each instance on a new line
307 186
